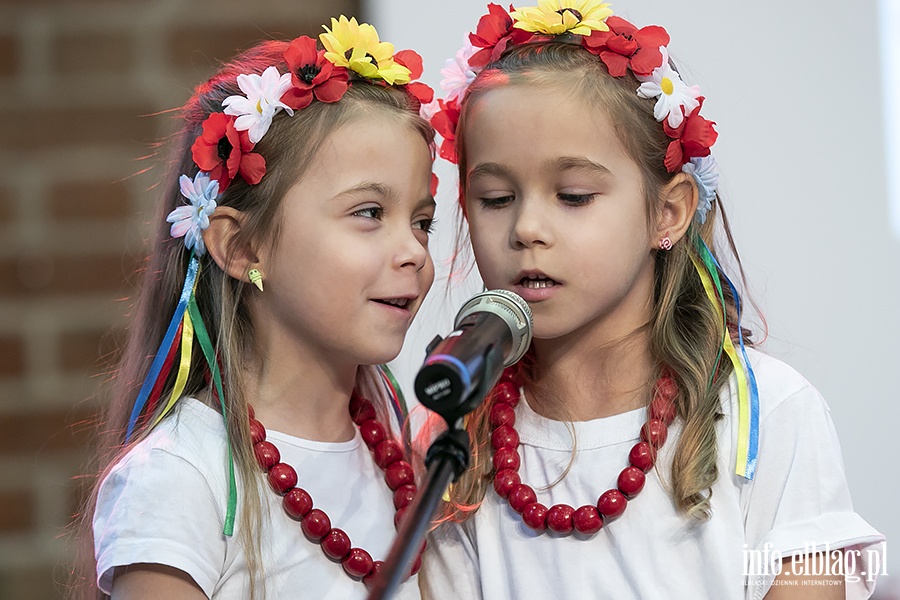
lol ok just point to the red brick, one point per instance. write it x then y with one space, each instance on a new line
89 200
43 275
31 127
30 582
9 55
7 206
66 3
197 45
89 349
93 52
25 434
12 356
16 511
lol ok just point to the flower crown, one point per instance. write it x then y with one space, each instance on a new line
622 47
224 149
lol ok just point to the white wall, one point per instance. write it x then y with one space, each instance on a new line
795 90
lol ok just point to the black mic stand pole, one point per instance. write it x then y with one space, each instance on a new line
446 460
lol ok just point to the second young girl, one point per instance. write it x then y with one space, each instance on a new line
643 449
258 458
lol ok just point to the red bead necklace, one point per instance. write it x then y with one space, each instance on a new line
316 525
562 518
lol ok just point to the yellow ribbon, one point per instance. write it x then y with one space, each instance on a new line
743 442
187 343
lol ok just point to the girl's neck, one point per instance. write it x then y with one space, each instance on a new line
302 395
579 379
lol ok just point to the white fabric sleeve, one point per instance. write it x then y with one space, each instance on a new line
799 502
450 567
156 507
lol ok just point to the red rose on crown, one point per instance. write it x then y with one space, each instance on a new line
224 152
412 61
494 33
312 75
692 139
625 46
445 122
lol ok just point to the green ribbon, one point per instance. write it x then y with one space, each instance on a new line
210 355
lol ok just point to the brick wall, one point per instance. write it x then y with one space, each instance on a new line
81 83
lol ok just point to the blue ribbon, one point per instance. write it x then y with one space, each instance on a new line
162 351
753 451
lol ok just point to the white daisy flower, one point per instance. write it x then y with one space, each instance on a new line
706 173
458 75
254 111
670 91
190 221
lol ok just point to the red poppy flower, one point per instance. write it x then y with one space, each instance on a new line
412 61
433 188
312 74
494 33
224 152
445 122
624 46
692 139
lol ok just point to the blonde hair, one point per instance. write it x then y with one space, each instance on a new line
685 332
288 147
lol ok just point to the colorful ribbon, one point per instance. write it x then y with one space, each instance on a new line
398 402
168 339
748 393
210 355
184 367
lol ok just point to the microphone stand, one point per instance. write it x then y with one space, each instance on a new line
446 459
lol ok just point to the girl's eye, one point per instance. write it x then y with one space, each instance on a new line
496 202
425 224
370 212
576 199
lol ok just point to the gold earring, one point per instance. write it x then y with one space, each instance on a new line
256 278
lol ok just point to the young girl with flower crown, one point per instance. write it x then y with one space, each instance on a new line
643 448
258 457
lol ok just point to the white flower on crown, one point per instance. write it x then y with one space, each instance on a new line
255 111
190 221
428 109
706 173
671 93
458 75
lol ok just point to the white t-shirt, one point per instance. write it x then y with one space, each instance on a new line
165 503
797 501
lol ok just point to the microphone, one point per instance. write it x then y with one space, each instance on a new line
492 331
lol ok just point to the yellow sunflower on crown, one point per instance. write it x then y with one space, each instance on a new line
357 47
555 17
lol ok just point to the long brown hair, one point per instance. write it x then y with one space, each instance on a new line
685 332
288 148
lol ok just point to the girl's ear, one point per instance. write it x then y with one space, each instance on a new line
678 203
226 246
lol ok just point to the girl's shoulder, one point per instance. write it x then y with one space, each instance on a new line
189 441
780 385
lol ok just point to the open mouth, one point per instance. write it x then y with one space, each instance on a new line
536 282
398 302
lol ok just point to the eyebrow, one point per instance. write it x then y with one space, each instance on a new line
575 163
563 163
368 186
490 168
385 192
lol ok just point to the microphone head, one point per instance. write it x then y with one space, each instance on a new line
514 311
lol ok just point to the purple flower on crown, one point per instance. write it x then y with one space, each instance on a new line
190 221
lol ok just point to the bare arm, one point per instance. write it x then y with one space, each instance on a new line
147 580
797 586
